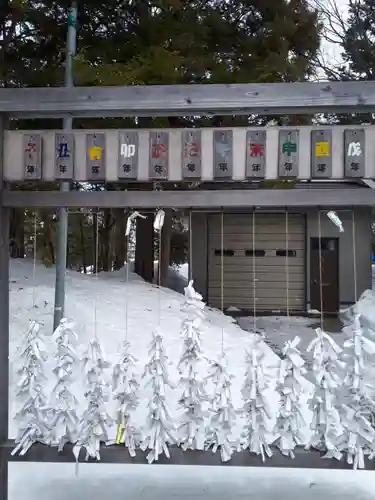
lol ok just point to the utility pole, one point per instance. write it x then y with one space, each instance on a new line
62 230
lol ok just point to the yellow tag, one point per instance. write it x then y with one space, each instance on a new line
119 433
322 148
95 153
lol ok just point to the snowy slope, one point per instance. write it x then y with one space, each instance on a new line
109 292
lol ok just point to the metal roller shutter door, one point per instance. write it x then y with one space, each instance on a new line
270 262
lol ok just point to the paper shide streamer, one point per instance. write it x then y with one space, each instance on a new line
125 387
257 408
191 431
159 431
223 413
125 384
95 421
65 420
34 413
357 404
290 387
336 220
327 370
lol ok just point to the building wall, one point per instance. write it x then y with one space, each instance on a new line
199 252
362 224
328 229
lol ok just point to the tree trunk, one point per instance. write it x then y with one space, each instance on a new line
17 233
106 240
144 248
120 243
95 257
83 248
165 250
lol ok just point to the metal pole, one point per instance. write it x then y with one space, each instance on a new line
62 231
4 324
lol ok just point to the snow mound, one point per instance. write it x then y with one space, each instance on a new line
145 300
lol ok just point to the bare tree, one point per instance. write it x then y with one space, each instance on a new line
333 17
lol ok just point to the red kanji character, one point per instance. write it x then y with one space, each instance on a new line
256 149
192 149
158 150
31 147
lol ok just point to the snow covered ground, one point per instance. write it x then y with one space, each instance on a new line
279 329
144 482
147 306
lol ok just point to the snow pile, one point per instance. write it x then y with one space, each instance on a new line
143 305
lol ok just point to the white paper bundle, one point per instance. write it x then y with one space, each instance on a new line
62 400
34 414
290 386
223 413
326 424
191 432
125 388
257 408
159 431
358 407
95 421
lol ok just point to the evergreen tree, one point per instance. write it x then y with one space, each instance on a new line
150 42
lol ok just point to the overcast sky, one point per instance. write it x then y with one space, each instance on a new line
331 50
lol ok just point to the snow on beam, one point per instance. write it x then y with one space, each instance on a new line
355 197
117 454
183 100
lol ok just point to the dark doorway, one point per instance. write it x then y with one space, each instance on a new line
330 275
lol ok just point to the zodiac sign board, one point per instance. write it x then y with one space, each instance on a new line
321 154
32 156
158 157
64 156
95 156
288 153
191 154
128 155
256 154
223 154
354 153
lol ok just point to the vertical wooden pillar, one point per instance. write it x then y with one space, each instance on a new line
4 327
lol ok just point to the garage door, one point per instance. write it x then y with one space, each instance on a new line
236 276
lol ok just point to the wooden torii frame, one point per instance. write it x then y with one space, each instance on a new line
178 100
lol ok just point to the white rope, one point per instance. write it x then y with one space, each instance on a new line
222 275
354 258
127 244
158 226
254 278
287 260
96 263
190 247
159 279
34 260
320 272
